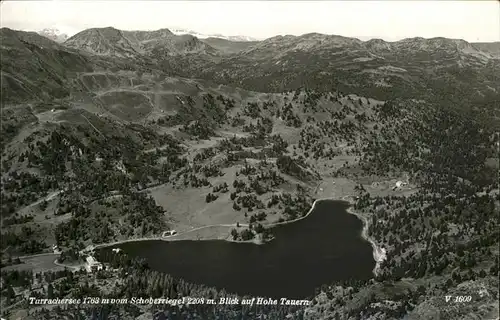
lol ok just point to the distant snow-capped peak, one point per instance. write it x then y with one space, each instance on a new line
58 34
178 31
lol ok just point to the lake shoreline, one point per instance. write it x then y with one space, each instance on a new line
379 253
254 240
330 238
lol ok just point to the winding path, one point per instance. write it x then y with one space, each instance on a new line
46 198
174 238
39 255
73 268
168 238
92 125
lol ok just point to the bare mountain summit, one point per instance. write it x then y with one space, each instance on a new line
127 44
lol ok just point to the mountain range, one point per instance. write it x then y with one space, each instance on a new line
412 67
57 35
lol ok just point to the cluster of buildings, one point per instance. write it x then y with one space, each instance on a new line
92 264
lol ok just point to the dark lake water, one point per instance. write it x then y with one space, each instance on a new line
324 247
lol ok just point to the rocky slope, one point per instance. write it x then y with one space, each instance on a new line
492 48
34 67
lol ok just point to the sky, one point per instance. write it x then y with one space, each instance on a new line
474 21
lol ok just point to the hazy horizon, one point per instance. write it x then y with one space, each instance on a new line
387 20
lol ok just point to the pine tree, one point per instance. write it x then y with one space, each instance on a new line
50 291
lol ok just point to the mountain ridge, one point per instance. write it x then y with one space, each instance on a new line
243 38
316 60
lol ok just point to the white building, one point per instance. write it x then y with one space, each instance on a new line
116 250
400 184
169 233
92 264
89 249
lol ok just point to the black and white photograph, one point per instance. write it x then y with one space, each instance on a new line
249 160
